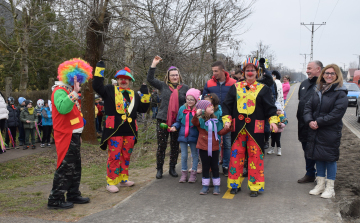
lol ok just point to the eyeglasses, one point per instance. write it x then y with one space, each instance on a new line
190 99
174 75
250 71
330 73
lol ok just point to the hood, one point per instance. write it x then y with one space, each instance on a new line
266 79
227 76
343 88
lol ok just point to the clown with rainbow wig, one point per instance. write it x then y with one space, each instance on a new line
68 124
120 131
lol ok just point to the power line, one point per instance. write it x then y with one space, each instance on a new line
312 34
316 10
328 20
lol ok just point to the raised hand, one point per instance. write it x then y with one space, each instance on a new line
76 85
155 62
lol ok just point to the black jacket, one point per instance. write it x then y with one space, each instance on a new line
327 110
14 114
306 90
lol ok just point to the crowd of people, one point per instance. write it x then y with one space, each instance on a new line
229 122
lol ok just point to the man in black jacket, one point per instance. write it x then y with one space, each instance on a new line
306 89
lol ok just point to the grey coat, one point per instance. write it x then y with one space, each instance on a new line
165 93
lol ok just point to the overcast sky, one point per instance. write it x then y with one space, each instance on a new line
277 23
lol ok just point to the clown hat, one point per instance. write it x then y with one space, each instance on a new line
74 67
125 73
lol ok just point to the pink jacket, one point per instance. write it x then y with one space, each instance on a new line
286 89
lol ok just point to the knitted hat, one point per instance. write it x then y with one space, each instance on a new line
125 73
203 104
193 92
21 100
28 102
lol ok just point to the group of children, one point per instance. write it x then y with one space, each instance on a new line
200 126
30 121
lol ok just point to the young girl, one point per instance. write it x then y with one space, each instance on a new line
275 137
188 134
209 127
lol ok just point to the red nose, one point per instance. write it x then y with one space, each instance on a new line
250 73
123 82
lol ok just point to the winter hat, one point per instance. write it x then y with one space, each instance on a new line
40 103
203 104
277 74
28 102
21 100
74 67
11 100
125 73
278 106
193 92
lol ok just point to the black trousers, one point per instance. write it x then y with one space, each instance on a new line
162 139
67 177
13 134
275 138
209 162
47 129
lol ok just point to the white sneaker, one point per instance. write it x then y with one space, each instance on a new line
279 151
271 151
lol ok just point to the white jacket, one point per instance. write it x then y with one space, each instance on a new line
4 113
280 94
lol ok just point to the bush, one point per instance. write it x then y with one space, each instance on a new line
31 95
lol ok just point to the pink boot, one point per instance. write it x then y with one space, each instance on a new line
112 188
128 183
192 178
183 177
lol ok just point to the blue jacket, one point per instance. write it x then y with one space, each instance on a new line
213 86
46 116
180 126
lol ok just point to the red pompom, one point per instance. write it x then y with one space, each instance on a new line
127 69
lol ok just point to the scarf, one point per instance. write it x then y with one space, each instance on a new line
13 107
325 87
210 123
173 105
31 110
123 90
188 111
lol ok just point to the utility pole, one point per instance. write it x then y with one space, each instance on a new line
359 61
312 34
304 54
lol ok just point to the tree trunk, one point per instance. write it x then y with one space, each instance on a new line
94 51
129 54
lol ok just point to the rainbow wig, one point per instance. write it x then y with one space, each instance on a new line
74 67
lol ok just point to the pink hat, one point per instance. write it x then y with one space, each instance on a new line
203 104
193 92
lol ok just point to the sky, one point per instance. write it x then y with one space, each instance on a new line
277 24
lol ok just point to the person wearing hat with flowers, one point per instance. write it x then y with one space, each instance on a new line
246 107
68 124
121 130
173 93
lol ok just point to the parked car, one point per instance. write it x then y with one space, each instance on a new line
353 93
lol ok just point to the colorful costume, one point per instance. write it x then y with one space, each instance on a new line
120 131
246 107
68 125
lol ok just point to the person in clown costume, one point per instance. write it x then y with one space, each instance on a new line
246 107
120 132
68 125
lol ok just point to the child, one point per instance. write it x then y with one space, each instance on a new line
188 134
28 117
21 107
209 127
275 137
12 123
39 106
47 125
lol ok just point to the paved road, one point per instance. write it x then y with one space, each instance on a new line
284 200
17 153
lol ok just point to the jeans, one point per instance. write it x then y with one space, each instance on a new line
310 164
329 167
227 149
154 111
184 155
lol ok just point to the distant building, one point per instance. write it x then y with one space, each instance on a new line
6 15
350 75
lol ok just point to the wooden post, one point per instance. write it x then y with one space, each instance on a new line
8 87
50 85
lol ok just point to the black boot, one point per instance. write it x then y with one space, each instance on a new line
159 172
266 145
60 204
235 190
78 200
172 171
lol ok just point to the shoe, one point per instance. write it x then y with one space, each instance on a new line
33 147
306 179
127 184
271 151
42 145
235 190
183 177
112 188
216 190
320 186
192 178
79 200
159 172
199 168
329 189
216 183
205 188
49 145
254 194
7 148
60 205
17 147
172 171
25 147
266 145
21 143
279 151
225 171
